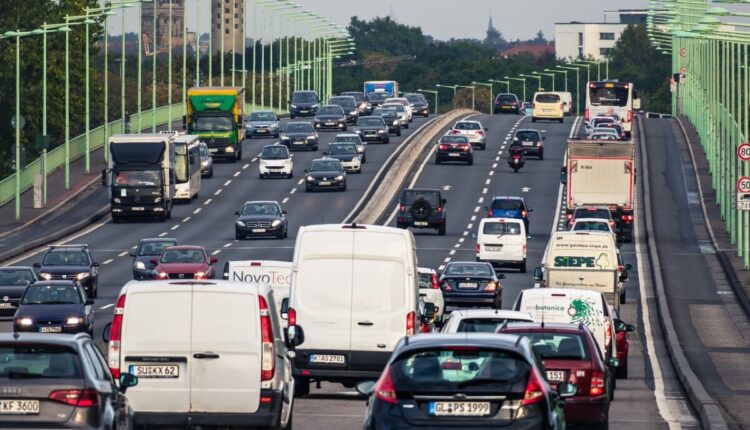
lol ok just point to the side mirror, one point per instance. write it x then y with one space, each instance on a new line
107 331
127 380
486 129
325 153
154 261
294 336
443 201
94 264
305 171
429 312
365 388
566 389
564 174
636 104
284 308
530 210
629 328
500 275
132 253
474 235
213 260
538 274
613 362
104 177
89 302
37 266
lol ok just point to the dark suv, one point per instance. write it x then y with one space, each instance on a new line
59 381
63 262
421 208
303 103
508 103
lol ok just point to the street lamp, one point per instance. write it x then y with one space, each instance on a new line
551 75
598 68
578 85
491 92
524 85
565 72
453 87
436 97
539 78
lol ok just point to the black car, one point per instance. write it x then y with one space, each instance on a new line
421 208
55 307
330 117
454 148
347 154
364 106
471 283
377 98
60 381
532 141
508 103
261 218
349 104
391 118
325 174
13 282
303 103
464 381
65 262
146 250
373 129
419 104
300 135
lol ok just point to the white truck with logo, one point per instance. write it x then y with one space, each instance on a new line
275 274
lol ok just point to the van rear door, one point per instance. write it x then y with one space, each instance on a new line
226 350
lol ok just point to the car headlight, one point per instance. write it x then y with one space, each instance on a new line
74 321
294 106
314 106
276 223
310 178
395 122
117 200
204 163
229 148
157 200
83 275
339 178
354 112
45 276
358 131
200 275
162 275
240 223
382 131
140 265
284 137
25 322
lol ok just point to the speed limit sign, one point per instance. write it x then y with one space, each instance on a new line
743 152
743 184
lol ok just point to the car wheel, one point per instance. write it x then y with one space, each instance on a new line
286 233
441 229
401 226
387 140
364 159
561 120
276 135
522 266
344 188
292 116
115 220
499 302
95 291
533 119
398 133
307 188
407 125
248 136
238 236
622 370
483 146
211 172
315 149
260 176
359 171
290 175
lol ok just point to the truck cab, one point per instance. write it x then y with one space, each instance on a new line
215 114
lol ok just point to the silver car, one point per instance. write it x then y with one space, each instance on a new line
403 115
207 161
263 123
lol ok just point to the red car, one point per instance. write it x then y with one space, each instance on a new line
184 262
570 354
621 337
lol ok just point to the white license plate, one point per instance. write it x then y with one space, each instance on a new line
213 150
299 142
330 123
467 285
526 143
51 329
19 407
555 376
304 111
6 305
259 230
493 248
138 208
547 110
454 154
155 370
327 358
421 223
262 130
461 409
324 183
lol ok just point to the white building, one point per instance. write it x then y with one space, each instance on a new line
594 39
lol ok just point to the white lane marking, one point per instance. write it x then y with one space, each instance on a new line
469 226
207 202
162 234
236 174
473 218
446 187
453 252
254 160
492 172
487 182
481 200
494 165
227 183
216 252
466 233
218 192
196 211
286 199
186 219
447 260
484 190
441 267
107 261
122 254
294 190
476 209
461 240
458 245
107 306
227 245
527 189
497 158
245 166
175 227
133 247
300 181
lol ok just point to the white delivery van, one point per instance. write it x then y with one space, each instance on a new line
205 353
567 99
276 274
570 306
502 242
354 295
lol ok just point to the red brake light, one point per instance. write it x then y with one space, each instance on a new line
478 248
489 213
524 213
561 105
439 209
607 333
442 146
411 318
292 317
268 350
630 116
78 398
597 384
587 114
384 389
569 216
115 334
402 208
435 284
534 389
447 286
491 286
455 132
480 132
533 105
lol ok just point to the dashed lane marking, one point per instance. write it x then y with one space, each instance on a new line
186 219
207 202
227 183
107 261
484 190
487 182
476 209
447 260
300 181
218 192
122 254
196 211
236 174
254 160
163 234
227 245
481 200
107 306
216 252
473 218
494 165
175 227
294 190
245 166
286 199
453 252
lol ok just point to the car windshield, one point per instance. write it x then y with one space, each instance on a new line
16 276
396 107
532 136
136 178
410 196
416 98
359 97
51 295
591 213
483 325
330 110
467 126
506 99
260 209
507 205
154 248
469 269
348 139
275 152
299 127
342 149
304 98
325 166
547 98
498 228
591 226
212 123
378 96
464 369
597 122
605 130
366 122
343 101
387 113
66 258
454 139
38 361
570 346
262 116
183 256
603 136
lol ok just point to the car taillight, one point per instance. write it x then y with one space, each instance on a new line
524 248
534 392
435 284
447 286
587 114
78 398
620 268
480 132
489 213
478 248
439 209
200 275
533 105
630 116
384 388
442 147
607 334
561 105
597 384
569 216
268 350
466 147
292 317
627 218
410 323
524 213
402 208
115 333
455 132
491 286
612 222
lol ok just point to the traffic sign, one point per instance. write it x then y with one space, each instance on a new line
743 201
743 152
743 184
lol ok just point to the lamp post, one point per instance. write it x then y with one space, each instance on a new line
598 67
453 87
524 85
436 97
565 72
539 78
551 75
492 92
578 85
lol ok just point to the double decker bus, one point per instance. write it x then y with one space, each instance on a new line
612 97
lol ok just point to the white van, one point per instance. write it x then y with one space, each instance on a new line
502 242
276 274
567 99
570 306
354 295
205 353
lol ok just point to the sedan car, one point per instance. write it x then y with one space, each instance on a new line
262 124
64 262
13 282
330 117
372 129
349 104
363 105
481 320
454 148
347 154
55 307
471 283
275 160
377 98
325 174
356 139
589 212
531 140
144 252
207 161
184 262
419 104
299 135
403 101
261 218
429 289
593 224
473 130
391 118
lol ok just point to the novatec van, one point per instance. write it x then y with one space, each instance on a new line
276 274
354 295
205 353
502 242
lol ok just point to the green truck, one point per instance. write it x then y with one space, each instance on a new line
216 115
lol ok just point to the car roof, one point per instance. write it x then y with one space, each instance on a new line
507 198
550 291
602 220
184 248
157 239
486 340
69 282
426 270
168 286
262 202
541 327
467 120
590 208
422 190
17 268
323 159
330 105
347 135
489 313
263 111
304 91
529 129
43 338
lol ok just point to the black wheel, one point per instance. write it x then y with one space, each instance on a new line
441 229
623 296
515 169
399 225
398 133
498 302
522 266
407 125
260 176
115 220
211 172
286 233
307 188
290 175
561 120
622 370
248 136
483 146
387 140
301 387
315 149
533 119
364 158
291 116
276 135
344 188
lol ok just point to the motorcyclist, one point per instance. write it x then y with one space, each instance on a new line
516 151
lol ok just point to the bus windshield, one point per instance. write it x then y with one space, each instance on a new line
614 96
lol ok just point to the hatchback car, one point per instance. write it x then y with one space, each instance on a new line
419 104
59 381
275 160
55 307
581 212
184 262
471 283
473 130
510 207
454 148
348 104
63 262
13 282
325 174
330 117
532 142
262 124
422 208
303 103
481 320
356 139
592 224
373 129
261 218
508 103
144 252
500 381
347 154
402 111
429 289
207 161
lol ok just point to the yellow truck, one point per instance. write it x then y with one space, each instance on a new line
216 115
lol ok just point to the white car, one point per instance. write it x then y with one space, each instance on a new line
481 320
402 101
605 130
597 121
401 111
429 288
593 224
473 130
275 160
502 242
355 139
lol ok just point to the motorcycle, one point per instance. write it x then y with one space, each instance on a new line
516 162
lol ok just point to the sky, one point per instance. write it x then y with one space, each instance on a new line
441 19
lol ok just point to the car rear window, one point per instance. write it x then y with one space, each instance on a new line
463 369
509 228
183 256
547 98
154 248
528 135
507 205
506 99
591 226
483 325
16 276
558 345
38 361
471 269
425 280
410 196
467 126
454 139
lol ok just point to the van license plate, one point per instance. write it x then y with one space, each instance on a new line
51 329
465 409
493 248
138 208
327 359
421 223
555 376
155 371
19 407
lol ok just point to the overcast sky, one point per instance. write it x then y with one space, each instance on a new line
442 19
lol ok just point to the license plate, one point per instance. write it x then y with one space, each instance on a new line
547 110
454 154
213 150
555 376
6 305
461 409
506 107
259 230
19 407
467 285
155 371
299 142
138 208
50 329
262 130
494 248
421 223
527 143
327 359
304 111
329 123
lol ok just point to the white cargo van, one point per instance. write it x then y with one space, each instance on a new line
205 353
502 242
354 295
570 306
276 274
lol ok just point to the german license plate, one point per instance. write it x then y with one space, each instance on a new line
6 305
322 183
262 130
329 123
467 285
299 142
421 223
213 150
303 111
460 409
555 376
547 110
19 407
155 370
528 143
138 208
327 359
50 329
259 230
506 107
454 154
494 248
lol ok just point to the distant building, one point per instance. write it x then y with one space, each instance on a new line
229 16
160 42
594 39
533 49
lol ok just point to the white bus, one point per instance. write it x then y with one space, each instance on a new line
612 97
187 166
